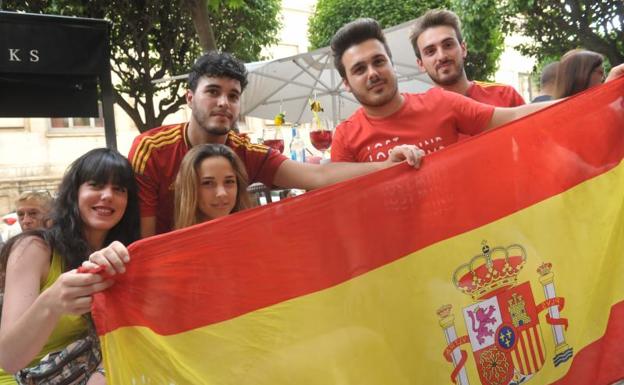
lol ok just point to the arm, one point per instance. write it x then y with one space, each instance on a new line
148 226
506 115
305 176
28 318
615 72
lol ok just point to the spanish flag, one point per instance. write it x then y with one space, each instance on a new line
500 261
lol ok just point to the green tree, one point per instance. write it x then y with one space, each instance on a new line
152 39
483 35
480 25
557 26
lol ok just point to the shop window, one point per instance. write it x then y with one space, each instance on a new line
78 125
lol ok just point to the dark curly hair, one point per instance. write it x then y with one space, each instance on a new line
217 64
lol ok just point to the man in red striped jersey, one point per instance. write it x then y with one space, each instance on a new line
440 51
216 82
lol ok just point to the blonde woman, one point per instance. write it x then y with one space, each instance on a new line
211 183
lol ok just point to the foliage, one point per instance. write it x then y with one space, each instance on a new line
557 26
246 29
152 39
480 19
330 15
483 36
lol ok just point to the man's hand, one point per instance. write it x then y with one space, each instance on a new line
409 152
615 72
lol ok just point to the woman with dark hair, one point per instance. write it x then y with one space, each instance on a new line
211 183
95 214
577 71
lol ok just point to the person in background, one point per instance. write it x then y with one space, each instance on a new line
95 215
216 82
577 71
211 183
547 82
33 209
440 51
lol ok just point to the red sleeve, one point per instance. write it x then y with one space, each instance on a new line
270 163
144 175
339 150
516 98
472 117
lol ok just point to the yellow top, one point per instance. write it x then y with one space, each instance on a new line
68 329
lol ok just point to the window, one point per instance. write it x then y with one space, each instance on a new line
528 90
11 122
78 125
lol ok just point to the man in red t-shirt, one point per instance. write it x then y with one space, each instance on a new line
216 82
432 120
440 51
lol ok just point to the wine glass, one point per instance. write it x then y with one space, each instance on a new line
272 137
321 135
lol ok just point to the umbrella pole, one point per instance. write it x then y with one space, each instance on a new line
334 95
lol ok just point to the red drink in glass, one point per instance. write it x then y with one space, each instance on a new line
321 140
276 144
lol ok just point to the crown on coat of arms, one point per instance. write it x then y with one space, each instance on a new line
491 271
544 268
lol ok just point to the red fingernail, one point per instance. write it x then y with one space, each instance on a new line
91 270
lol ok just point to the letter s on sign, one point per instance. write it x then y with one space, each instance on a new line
34 55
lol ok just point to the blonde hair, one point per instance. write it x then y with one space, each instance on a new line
42 198
186 211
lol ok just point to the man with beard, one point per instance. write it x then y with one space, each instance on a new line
440 51
216 82
431 120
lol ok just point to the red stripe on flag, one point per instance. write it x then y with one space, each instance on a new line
522 369
254 259
602 361
525 355
538 340
531 349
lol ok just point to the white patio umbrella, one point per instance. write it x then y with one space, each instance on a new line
287 84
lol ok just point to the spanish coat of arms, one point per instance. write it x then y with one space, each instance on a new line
503 322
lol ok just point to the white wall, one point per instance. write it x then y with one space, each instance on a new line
515 69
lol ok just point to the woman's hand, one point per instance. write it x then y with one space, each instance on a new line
615 72
72 292
112 258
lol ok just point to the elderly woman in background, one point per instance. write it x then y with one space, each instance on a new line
33 209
